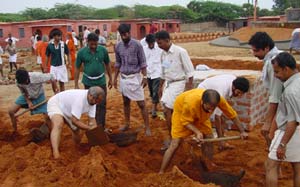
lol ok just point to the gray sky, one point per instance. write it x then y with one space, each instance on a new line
13 6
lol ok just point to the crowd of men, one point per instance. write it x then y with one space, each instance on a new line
168 71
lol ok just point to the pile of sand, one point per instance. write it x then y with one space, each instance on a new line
277 34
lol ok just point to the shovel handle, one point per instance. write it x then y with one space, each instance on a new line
27 110
222 139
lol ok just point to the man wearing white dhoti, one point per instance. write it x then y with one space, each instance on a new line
177 75
130 63
285 144
12 51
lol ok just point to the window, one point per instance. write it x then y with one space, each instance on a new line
21 32
69 28
1 33
163 25
177 25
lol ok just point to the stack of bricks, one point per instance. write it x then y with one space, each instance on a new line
251 107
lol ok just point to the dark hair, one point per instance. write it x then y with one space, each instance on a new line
261 40
211 97
56 32
84 28
123 28
241 83
22 76
285 59
92 37
150 38
162 35
97 31
38 38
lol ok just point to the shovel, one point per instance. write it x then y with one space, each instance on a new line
97 136
27 110
211 140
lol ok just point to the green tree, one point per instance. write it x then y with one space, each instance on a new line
281 5
35 13
215 11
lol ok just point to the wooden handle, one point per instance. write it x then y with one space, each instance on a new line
27 110
222 139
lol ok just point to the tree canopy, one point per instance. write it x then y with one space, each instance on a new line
196 11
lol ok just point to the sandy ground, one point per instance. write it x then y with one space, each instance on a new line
23 163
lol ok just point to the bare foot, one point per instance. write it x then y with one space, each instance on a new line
56 155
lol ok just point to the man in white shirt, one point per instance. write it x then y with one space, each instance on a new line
263 48
286 139
153 55
177 75
101 40
86 32
69 106
14 40
227 86
143 42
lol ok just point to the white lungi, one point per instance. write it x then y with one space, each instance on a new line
60 73
54 109
13 58
292 148
171 91
130 86
38 60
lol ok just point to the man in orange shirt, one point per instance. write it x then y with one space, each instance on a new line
41 47
72 50
192 110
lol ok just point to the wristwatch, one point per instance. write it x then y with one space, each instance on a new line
282 145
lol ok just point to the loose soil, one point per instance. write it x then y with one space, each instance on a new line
28 164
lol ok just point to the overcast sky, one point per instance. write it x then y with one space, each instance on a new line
14 6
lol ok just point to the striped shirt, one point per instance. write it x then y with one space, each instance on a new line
130 57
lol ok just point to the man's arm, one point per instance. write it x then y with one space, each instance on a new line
92 122
188 69
144 81
237 122
108 70
160 90
272 109
231 113
189 84
117 71
80 124
194 129
76 77
25 94
117 67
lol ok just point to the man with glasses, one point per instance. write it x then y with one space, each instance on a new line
192 110
263 47
69 106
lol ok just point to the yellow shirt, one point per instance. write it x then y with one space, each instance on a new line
188 110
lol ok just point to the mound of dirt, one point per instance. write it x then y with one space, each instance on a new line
277 34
